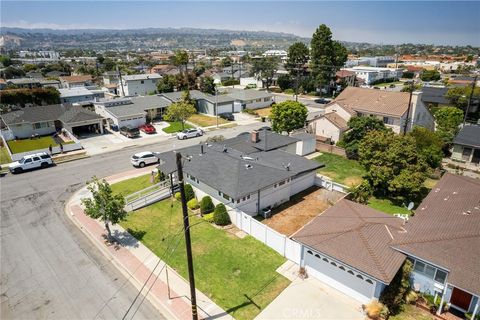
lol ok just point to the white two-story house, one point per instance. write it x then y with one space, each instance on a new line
138 84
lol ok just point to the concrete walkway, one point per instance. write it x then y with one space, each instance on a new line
310 299
137 262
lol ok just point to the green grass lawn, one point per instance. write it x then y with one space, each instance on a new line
227 269
205 121
386 205
410 312
4 156
130 186
24 145
340 169
176 126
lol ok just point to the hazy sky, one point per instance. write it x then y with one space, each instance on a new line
439 22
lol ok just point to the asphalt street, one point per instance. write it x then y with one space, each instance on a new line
49 269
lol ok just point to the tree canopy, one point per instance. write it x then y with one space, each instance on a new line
103 204
394 167
448 121
266 68
359 127
288 116
429 145
430 75
180 111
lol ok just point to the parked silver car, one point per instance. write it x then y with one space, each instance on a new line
142 159
189 133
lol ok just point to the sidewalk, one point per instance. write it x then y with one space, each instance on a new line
136 262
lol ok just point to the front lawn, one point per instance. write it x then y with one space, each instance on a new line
176 126
340 169
233 272
410 312
24 145
4 156
386 205
264 112
205 121
132 185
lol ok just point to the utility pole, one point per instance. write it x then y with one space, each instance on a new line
120 80
188 243
470 99
412 85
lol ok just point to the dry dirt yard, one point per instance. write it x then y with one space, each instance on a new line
303 207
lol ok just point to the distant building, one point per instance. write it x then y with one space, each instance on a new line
80 95
138 84
466 145
30 83
75 81
378 62
372 74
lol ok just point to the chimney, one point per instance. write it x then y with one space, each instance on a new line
254 136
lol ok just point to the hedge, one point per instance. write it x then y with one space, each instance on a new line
220 215
206 205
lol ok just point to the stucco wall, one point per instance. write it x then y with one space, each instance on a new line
26 130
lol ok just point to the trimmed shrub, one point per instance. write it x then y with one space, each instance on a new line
208 217
206 205
189 194
220 215
376 310
192 204
178 196
411 297
289 91
393 296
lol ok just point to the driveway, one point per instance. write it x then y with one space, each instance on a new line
312 299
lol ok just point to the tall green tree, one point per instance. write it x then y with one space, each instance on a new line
448 123
181 110
266 68
288 116
458 96
167 83
429 145
103 204
430 75
393 166
359 127
207 85
298 54
326 56
181 59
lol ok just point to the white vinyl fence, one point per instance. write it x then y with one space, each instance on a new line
328 184
277 241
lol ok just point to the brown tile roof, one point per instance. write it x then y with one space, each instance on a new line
358 236
338 121
74 79
446 230
344 73
374 101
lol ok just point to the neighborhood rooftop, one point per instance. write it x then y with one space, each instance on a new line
469 135
357 235
141 76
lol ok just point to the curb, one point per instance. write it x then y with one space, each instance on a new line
160 306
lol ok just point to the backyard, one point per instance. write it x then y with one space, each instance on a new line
237 274
176 126
205 121
340 169
25 145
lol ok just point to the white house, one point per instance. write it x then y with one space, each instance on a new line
138 84
80 95
374 74
75 81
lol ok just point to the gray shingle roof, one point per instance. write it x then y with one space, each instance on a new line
469 135
250 94
235 174
267 141
434 95
66 114
138 106
358 236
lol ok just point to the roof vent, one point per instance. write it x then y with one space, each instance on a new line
247 158
248 166
225 148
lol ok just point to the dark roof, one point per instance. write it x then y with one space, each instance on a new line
434 95
446 230
233 172
66 114
358 236
138 106
469 135
267 140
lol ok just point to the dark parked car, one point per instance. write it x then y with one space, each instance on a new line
227 116
322 100
130 132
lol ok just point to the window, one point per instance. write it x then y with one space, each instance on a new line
325 259
359 276
309 252
369 281
440 276
45 156
248 197
141 81
258 100
266 99
333 264
430 271
238 200
466 153
226 197
342 268
387 120
28 160
318 256
40 125
281 183
419 266
36 159
351 272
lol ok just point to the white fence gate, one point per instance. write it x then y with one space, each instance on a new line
277 241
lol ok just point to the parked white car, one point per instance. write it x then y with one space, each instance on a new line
31 161
142 159
190 133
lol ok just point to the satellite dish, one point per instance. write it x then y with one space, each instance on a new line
410 205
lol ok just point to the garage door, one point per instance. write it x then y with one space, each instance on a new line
348 281
223 108
237 107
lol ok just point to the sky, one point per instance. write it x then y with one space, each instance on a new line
386 22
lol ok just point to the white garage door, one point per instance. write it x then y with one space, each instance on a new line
237 107
350 282
223 108
133 122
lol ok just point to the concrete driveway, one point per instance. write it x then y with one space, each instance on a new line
311 299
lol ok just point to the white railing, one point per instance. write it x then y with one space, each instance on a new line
148 196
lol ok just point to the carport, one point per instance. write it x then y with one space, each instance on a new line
83 122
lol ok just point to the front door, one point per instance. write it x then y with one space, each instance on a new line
461 299
476 156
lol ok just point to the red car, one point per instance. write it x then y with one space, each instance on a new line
148 128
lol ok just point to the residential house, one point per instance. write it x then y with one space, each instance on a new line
163 69
250 172
3 84
30 83
251 98
45 120
372 75
330 126
345 77
358 250
111 77
390 107
134 111
466 145
138 84
79 95
70 82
